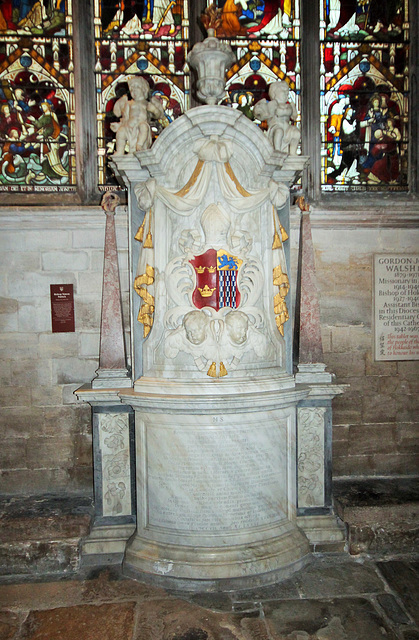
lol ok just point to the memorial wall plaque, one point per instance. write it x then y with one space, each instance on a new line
396 306
62 308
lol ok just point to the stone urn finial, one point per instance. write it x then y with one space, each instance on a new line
211 58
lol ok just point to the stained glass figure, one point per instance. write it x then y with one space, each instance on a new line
130 18
139 38
33 17
364 95
377 20
265 36
256 18
36 96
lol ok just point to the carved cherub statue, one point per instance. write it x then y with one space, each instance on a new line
278 112
133 127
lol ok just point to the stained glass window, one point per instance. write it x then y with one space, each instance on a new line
148 39
264 35
36 96
364 81
364 94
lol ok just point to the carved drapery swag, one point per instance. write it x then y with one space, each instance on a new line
211 153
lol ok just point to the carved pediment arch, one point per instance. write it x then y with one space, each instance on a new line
253 151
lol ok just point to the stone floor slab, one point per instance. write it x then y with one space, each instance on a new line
9 625
392 608
323 577
213 601
108 587
44 595
327 578
404 579
172 619
333 598
335 619
280 591
84 622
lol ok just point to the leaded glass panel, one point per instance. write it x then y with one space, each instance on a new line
36 96
148 39
364 95
264 35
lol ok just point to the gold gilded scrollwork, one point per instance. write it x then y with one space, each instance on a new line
280 279
302 204
278 239
146 312
146 276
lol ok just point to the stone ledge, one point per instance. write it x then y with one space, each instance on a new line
41 535
381 514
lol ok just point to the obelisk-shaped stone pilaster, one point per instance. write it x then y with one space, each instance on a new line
314 414
112 372
310 348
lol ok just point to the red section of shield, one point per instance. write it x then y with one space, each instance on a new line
206 292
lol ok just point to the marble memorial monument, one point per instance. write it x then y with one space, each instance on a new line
214 395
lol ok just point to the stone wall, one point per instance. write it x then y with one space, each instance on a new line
46 444
375 423
46 433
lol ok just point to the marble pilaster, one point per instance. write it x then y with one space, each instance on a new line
112 422
314 413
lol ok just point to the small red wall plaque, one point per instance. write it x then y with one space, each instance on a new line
62 308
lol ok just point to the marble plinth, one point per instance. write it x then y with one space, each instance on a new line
216 486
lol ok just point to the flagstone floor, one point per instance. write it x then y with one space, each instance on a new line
335 597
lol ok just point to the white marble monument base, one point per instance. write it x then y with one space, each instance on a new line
215 485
